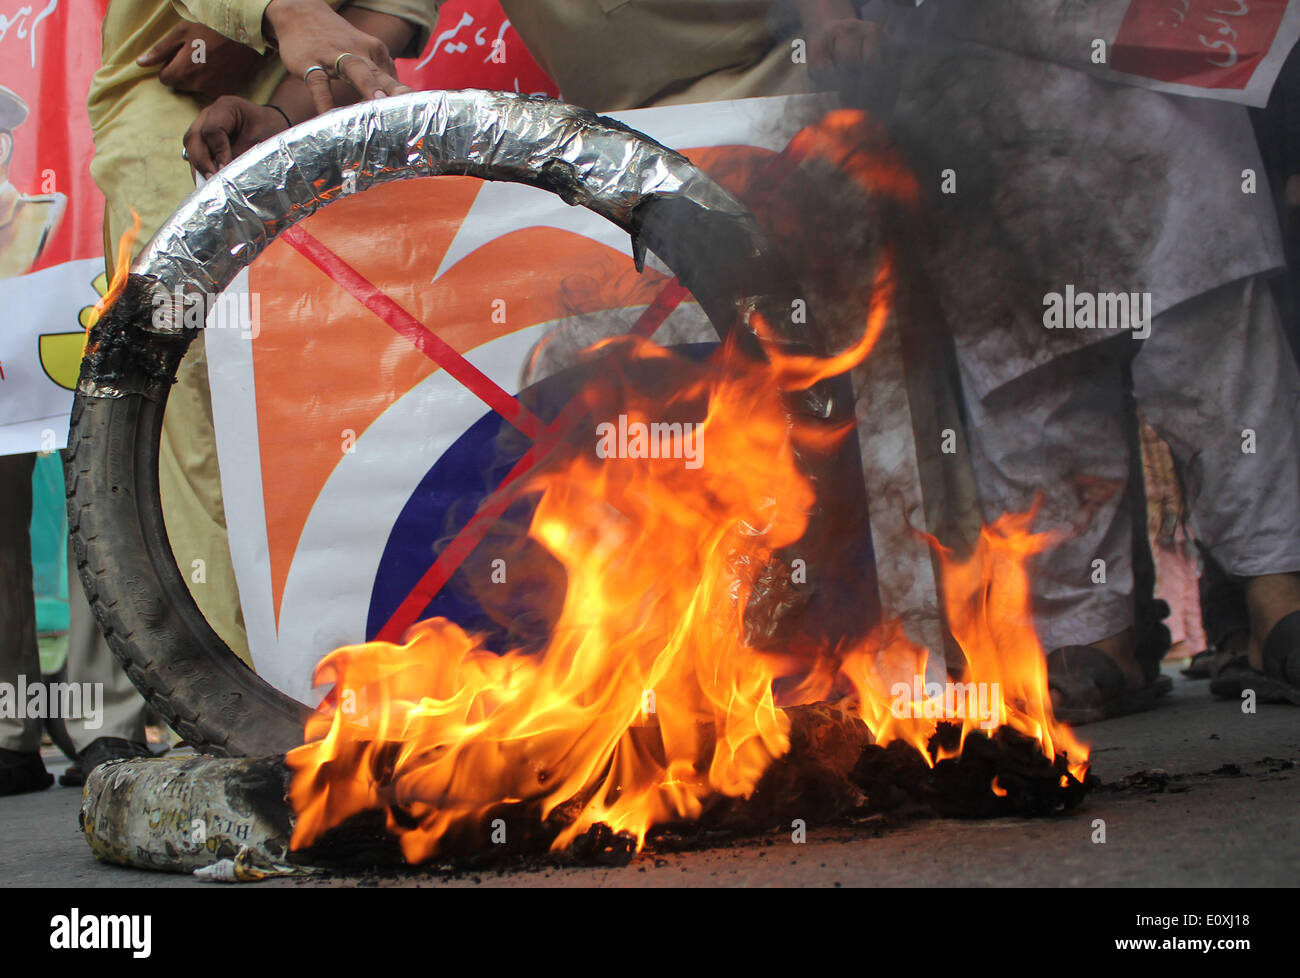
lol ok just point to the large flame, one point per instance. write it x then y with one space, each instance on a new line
646 700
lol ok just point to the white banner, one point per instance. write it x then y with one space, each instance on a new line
351 461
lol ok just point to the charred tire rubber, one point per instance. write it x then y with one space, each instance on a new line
138 595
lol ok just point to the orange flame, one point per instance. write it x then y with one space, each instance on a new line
121 271
987 605
646 701
795 372
986 600
858 146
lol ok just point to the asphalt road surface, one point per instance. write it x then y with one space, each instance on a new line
1222 809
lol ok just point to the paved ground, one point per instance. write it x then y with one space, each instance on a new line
1228 816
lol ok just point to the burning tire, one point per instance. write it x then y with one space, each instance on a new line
138 595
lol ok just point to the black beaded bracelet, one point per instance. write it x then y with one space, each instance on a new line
272 105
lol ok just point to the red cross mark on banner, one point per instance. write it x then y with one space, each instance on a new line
544 437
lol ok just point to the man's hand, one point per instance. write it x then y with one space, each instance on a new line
849 55
843 44
226 128
200 61
309 34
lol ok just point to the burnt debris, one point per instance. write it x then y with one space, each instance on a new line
832 774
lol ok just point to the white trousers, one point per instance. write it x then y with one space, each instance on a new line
1217 380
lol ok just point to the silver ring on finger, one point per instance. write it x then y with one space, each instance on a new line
306 75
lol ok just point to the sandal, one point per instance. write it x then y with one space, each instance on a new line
1207 664
1282 650
1090 686
1280 680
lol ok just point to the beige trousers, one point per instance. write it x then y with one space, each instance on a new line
138 124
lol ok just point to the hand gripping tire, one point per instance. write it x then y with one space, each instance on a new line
139 596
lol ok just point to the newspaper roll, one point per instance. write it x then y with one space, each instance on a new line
225 818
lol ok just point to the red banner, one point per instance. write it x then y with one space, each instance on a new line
474 46
49 49
1202 43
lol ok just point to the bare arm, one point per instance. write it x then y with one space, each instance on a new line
196 59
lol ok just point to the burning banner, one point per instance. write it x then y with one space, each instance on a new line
646 706
338 504
637 698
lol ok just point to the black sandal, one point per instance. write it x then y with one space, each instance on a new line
1090 686
1207 664
1280 680
1282 650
